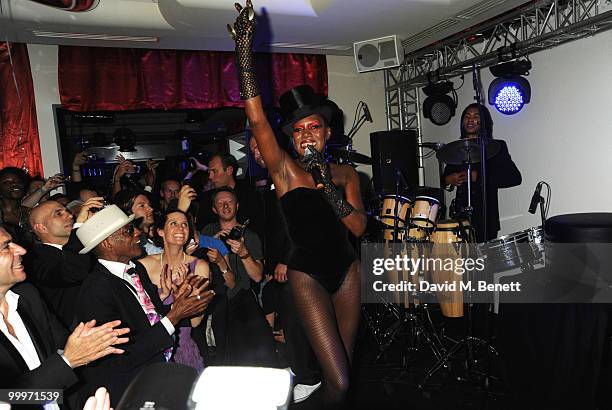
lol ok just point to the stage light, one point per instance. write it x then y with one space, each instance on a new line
260 389
439 107
510 91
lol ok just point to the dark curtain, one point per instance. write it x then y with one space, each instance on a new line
19 145
97 79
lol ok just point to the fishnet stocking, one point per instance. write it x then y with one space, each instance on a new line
330 323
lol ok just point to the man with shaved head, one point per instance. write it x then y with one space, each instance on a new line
54 265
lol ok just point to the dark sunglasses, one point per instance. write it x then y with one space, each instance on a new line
127 230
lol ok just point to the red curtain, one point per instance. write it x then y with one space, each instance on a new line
19 145
100 79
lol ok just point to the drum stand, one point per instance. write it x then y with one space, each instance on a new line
468 343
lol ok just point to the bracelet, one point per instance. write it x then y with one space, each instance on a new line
224 271
245 257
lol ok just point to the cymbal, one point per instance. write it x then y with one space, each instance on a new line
460 151
349 155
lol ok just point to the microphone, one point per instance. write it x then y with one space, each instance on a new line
535 199
366 112
309 155
432 145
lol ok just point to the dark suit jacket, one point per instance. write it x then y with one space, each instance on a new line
58 275
501 173
105 297
48 335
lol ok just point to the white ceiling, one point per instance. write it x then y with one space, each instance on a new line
310 26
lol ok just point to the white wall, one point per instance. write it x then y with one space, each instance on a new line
43 59
346 88
564 136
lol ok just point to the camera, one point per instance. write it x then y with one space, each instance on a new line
236 233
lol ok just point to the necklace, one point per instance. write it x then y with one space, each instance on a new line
161 261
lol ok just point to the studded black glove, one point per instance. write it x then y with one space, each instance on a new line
321 174
243 32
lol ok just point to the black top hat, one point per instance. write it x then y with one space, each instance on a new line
300 102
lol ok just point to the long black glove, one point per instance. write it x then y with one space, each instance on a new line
321 174
243 32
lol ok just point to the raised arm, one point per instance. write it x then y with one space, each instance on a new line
243 32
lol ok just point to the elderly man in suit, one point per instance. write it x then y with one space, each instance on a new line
36 351
116 289
55 265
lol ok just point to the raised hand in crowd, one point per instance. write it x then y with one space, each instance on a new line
99 401
151 173
90 207
190 298
125 167
56 181
186 195
280 273
89 342
79 159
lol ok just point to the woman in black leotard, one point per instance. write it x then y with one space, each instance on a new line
323 269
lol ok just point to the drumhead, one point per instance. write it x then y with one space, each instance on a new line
399 197
429 199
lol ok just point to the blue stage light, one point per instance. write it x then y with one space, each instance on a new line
510 91
509 99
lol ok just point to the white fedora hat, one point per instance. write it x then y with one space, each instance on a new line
102 225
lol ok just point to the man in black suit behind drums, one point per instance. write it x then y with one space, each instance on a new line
501 173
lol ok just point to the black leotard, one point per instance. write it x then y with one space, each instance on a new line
320 245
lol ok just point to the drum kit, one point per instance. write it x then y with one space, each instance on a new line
413 219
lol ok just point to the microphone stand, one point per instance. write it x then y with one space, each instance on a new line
396 210
399 177
541 202
484 140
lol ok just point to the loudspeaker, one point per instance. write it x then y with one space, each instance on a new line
391 151
378 53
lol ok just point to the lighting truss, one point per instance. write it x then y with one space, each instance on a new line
538 26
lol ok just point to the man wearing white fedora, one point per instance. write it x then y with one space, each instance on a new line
115 289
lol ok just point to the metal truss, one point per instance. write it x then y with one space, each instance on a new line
541 25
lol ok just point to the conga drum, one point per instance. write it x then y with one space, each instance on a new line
446 235
424 212
391 204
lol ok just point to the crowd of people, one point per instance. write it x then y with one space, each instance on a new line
159 237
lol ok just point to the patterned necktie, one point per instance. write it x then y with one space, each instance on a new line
146 302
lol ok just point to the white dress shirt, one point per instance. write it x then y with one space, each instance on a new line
23 343
120 270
